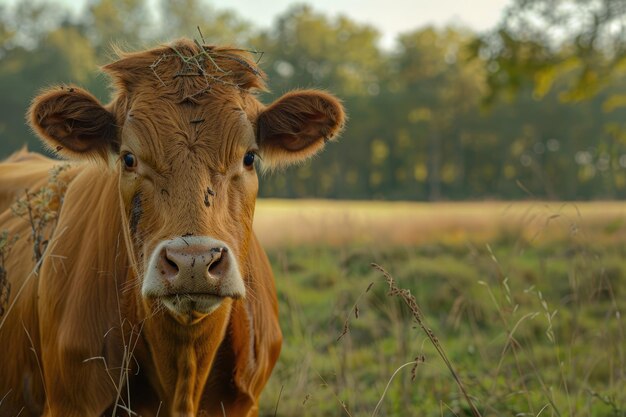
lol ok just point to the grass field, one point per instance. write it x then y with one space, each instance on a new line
524 298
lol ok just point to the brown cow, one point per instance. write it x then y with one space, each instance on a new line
152 293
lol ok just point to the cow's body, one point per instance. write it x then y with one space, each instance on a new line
88 284
145 290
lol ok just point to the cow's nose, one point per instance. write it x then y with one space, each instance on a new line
184 264
193 267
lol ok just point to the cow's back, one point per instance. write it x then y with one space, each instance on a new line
20 382
19 331
20 172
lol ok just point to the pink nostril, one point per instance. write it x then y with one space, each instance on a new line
190 264
193 269
217 254
171 262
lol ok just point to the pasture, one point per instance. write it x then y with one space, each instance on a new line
525 298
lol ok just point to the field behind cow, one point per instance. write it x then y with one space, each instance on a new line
526 300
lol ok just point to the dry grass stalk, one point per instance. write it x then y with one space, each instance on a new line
6 243
355 309
414 363
416 312
197 65
344 407
32 349
41 209
281 387
55 238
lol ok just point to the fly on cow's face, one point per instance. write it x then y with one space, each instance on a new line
208 193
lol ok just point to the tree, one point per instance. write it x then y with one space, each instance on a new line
437 92
417 129
308 49
41 47
184 17
543 40
109 22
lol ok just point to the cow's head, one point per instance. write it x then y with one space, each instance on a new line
185 131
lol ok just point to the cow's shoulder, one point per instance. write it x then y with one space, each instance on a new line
82 276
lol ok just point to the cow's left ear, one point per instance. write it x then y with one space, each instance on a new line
73 123
297 125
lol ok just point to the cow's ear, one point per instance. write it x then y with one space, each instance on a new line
297 125
73 123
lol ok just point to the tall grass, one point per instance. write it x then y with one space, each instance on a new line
530 319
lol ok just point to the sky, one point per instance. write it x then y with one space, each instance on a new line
389 16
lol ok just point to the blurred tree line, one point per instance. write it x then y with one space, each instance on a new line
534 108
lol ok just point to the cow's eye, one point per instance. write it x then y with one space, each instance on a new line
130 161
248 159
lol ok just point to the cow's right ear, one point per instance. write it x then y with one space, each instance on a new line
73 123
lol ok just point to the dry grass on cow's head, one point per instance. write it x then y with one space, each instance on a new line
193 71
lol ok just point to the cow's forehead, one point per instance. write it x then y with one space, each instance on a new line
187 99
215 132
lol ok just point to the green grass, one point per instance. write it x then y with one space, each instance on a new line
532 326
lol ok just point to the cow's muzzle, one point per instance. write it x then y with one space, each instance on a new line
192 275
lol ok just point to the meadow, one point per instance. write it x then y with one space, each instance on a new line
525 299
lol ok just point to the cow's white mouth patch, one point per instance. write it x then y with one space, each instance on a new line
192 275
188 303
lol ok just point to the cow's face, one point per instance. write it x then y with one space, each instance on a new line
188 186
184 133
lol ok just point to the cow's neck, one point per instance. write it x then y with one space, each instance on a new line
182 357
179 357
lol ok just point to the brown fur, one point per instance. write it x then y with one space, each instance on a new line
80 339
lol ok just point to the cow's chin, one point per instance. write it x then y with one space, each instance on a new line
191 308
